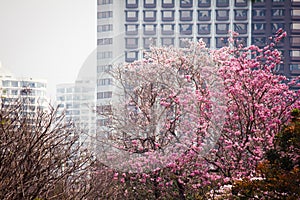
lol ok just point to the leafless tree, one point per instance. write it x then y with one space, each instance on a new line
40 156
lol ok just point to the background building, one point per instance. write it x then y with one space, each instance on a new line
77 100
126 28
32 92
270 15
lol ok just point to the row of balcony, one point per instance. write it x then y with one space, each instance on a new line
185 15
184 3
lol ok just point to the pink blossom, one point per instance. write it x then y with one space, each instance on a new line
173 102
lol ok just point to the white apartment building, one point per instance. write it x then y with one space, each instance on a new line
32 92
77 101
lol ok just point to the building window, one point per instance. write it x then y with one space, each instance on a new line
60 90
168 3
295 69
259 41
259 27
41 85
204 15
222 14
222 28
131 16
131 29
277 12
105 81
76 105
103 2
62 98
186 29
131 43
14 92
149 29
104 122
242 40
104 55
276 26
106 14
14 83
148 42
149 16
295 53
222 3
104 41
75 112
186 3
203 29
221 42
184 42
104 95
240 28
204 3
131 56
167 29
69 90
5 83
279 68
104 68
167 41
69 97
105 28
294 66
167 15
132 4
295 41
104 109
77 89
295 13
240 14
240 3
149 3
186 15
259 14
295 26
27 84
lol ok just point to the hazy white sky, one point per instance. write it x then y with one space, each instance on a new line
47 39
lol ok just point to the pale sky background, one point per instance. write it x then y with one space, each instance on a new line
47 39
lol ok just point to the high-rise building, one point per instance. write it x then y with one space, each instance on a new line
270 15
77 101
29 91
126 28
66 100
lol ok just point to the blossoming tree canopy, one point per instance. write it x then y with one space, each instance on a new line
172 101
198 117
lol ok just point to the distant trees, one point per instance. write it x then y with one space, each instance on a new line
192 120
40 157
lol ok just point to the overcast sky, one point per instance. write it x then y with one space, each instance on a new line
47 39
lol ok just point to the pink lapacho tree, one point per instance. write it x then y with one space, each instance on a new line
192 120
